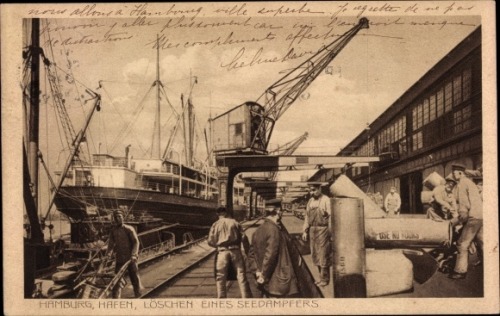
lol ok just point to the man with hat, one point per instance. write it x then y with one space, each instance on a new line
392 202
470 213
316 227
123 241
227 235
443 206
270 257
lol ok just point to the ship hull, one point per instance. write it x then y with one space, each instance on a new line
172 208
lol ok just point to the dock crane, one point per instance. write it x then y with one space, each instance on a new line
287 149
247 128
269 188
290 147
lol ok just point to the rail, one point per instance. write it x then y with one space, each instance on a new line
158 243
164 284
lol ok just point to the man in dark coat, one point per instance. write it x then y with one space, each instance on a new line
274 271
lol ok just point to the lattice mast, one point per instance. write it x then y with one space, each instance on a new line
280 96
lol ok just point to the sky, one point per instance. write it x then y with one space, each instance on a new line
228 48
108 48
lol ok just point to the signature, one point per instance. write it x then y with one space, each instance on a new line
240 60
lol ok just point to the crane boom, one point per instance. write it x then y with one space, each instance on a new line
247 128
280 96
290 147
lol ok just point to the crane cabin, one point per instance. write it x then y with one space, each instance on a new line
239 130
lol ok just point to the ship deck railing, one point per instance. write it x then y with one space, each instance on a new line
197 192
156 241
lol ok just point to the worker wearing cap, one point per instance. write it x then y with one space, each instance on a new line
316 227
227 235
270 257
470 213
444 204
392 202
123 241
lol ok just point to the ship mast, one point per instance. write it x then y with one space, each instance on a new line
31 175
34 116
191 121
157 82
30 162
188 127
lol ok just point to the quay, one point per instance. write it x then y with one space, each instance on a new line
190 273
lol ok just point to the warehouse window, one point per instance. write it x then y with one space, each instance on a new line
432 108
420 116
466 84
439 102
403 148
426 111
367 149
417 117
414 118
417 141
400 128
397 131
448 93
403 126
371 147
457 90
462 119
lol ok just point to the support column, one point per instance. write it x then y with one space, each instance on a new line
349 256
256 204
222 184
229 190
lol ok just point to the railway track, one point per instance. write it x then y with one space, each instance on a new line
184 271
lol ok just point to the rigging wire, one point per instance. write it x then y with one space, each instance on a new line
64 148
47 137
62 108
59 101
153 138
199 132
121 117
72 76
168 100
117 139
125 130
101 125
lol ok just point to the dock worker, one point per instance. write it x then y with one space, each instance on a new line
443 206
392 203
316 229
470 214
227 236
270 258
123 241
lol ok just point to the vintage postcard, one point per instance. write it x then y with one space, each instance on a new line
224 158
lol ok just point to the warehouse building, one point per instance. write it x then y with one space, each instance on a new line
436 122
